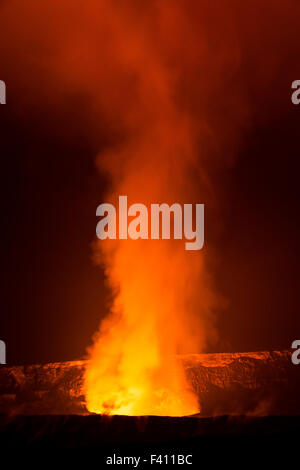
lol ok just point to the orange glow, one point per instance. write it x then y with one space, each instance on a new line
161 294
166 90
162 299
133 369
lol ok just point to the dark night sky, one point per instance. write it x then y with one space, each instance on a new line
52 294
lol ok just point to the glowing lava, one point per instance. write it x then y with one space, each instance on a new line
132 368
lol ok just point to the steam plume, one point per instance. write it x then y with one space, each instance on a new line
169 83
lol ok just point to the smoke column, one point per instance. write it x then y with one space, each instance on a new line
163 299
170 85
